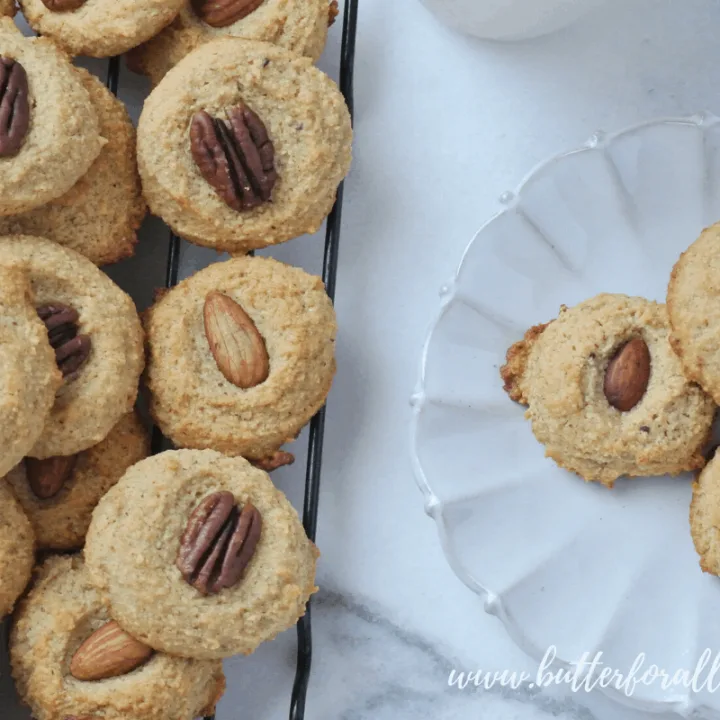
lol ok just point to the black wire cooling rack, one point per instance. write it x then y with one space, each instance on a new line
317 425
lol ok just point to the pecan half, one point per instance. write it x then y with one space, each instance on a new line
71 349
14 106
63 5
221 13
235 156
218 543
333 12
273 462
47 477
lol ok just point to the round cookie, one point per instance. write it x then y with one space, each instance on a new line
62 137
192 399
705 516
561 372
297 25
62 610
16 550
68 489
99 216
102 363
100 28
29 377
243 145
693 303
148 593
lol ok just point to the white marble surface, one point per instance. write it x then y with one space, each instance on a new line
444 124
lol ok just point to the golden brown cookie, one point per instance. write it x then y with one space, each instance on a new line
59 494
705 516
7 8
98 340
694 308
100 215
241 356
218 563
243 145
99 28
297 25
30 376
16 550
57 654
606 395
54 136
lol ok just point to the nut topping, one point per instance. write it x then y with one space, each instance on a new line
237 346
47 477
107 653
221 13
71 349
333 12
627 375
235 156
218 543
274 461
63 5
14 106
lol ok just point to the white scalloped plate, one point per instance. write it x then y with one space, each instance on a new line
559 561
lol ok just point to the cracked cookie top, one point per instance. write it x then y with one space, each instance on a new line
606 395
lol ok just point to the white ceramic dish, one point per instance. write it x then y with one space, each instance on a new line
562 562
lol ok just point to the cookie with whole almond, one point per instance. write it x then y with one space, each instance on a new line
94 329
243 145
297 25
59 494
17 550
241 356
69 659
29 377
605 393
99 28
49 130
219 561
100 215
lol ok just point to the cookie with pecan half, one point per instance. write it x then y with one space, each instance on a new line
99 28
298 25
94 329
219 561
242 145
17 551
59 494
101 213
49 129
241 356
70 660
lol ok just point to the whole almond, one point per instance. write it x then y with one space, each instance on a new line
237 346
627 375
47 477
107 653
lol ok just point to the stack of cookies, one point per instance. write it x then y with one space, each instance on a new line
621 386
152 569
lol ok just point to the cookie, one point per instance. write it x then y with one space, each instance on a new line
242 145
59 494
54 136
30 376
96 333
241 356
7 8
693 302
297 25
605 393
16 550
56 672
218 562
100 215
99 28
